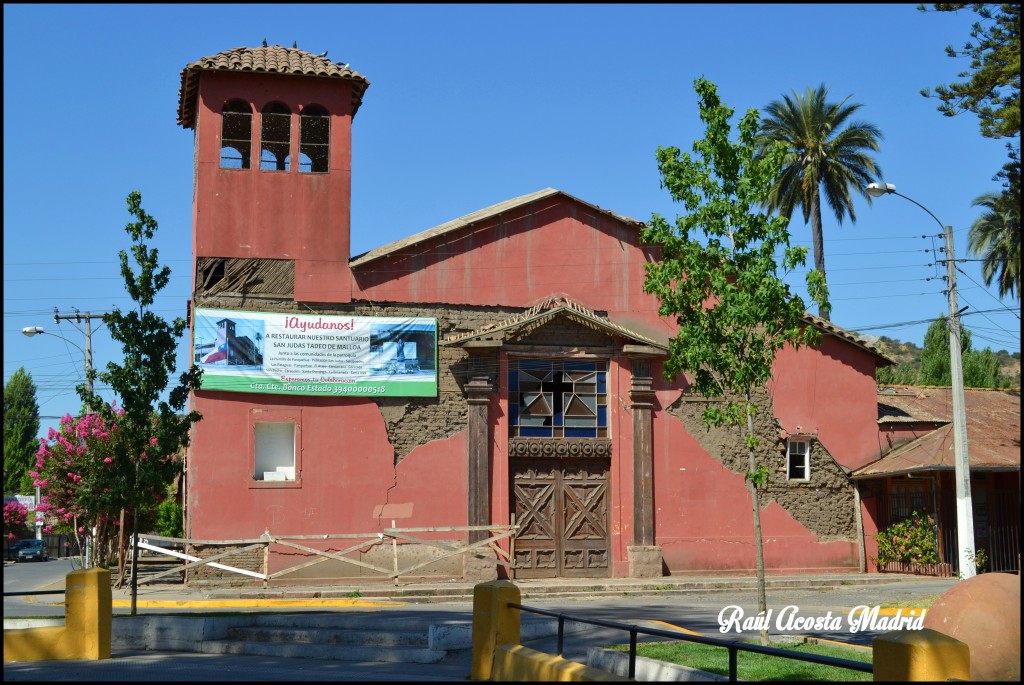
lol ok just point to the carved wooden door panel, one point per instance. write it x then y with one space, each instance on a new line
561 507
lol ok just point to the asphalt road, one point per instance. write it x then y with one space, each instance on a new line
699 613
702 613
27 576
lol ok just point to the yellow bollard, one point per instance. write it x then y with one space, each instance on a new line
87 612
920 655
494 623
87 623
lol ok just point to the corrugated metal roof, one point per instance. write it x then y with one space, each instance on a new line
472 218
993 431
903 405
272 59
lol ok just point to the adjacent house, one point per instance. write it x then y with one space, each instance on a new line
503 369
915 473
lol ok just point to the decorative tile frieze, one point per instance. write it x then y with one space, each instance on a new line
596 448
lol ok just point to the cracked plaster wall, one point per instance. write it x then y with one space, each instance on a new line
825 505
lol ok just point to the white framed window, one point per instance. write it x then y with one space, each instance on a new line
798 459
275 451
275 447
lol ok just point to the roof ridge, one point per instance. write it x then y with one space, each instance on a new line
549 307
473 217
270 59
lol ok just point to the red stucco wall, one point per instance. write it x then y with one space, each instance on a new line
704 518
553 246
347 473
276 214
830 392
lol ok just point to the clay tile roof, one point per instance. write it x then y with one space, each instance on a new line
543 312
268 60
829 328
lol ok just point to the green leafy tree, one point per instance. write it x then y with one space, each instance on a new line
935 361
991 85
151 429
981 367
990 89
725 293
21 432
898 374
169 516
995 235
827 155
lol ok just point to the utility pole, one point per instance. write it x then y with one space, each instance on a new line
78 317
961 465
962 472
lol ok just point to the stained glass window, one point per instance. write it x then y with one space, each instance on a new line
558 398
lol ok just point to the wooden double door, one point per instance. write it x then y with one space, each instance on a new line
561 507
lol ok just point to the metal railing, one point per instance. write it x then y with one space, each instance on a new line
734 646
37 592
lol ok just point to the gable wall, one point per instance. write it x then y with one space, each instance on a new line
830 392
552 246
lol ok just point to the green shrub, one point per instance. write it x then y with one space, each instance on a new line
168 519
911 540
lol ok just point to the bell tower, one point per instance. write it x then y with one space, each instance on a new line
273 163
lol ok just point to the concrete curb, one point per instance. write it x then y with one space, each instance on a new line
184 633
647 670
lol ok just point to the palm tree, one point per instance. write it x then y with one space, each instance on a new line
995 237
821 156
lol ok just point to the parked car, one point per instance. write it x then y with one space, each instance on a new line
35 549
14 548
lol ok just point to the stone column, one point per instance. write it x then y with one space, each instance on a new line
479 565
644 555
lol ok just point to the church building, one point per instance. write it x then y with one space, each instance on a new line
494 382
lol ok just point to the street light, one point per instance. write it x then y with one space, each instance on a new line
87 353
38 330
962 474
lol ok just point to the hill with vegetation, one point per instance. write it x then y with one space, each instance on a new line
982 369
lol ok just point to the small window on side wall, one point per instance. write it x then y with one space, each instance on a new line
236 135
314 140
275 451
798 460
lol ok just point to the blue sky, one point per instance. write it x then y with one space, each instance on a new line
470 105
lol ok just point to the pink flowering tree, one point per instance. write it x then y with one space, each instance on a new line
86 479
15 517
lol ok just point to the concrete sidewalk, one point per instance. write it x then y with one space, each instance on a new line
429 603
370 594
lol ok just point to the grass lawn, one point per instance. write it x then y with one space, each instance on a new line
916 603
752 666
